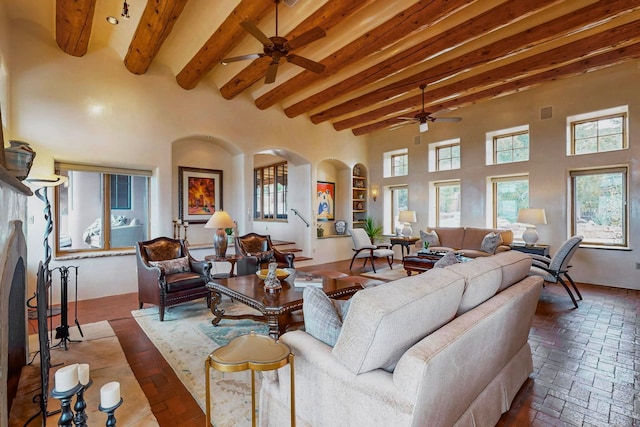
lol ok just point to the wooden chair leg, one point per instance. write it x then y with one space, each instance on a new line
161 308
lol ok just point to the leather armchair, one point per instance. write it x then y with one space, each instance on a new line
169 275
260 246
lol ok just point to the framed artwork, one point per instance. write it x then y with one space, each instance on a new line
199 193
325 207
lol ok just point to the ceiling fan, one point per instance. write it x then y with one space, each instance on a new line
424 118
277 48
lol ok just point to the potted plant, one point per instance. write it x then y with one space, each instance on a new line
373 230
320 230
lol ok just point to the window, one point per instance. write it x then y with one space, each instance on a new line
270 189
508 145
400 164
510 194
395 163
120 192
444 155
448 157
448 203
511 148
599 206
101 208
598 135
399 202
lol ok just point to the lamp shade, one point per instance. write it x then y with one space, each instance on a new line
220 219
407 216
532 216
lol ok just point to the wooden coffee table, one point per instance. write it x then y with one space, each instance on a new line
275 307
420 262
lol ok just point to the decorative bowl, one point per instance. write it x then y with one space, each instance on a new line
280 273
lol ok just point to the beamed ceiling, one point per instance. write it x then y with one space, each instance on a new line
376 53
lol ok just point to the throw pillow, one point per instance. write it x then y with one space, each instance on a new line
491 242
449 258
263 256
430 237
323 316
171 266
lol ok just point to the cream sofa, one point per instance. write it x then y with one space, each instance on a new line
467 240
444 348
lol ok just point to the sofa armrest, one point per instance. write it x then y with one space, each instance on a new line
200 267
323 384
284 257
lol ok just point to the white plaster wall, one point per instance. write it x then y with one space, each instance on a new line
92 110
547 168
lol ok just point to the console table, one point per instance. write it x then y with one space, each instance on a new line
542 250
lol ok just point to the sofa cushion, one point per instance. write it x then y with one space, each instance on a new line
449 258
323 315
490 242
515 267
171 266
384 321
265 256
430 237
483 277
451 237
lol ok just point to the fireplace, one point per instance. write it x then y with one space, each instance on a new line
13 288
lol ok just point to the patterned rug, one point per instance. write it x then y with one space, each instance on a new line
187 337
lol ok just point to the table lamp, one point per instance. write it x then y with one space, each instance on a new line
530 217
220 220
408 217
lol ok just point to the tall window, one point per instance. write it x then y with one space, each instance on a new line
599 206
599 135
511 148
399 202
270 189
510 194
101 208
400 164
448 157
448 203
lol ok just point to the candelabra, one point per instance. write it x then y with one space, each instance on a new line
177 225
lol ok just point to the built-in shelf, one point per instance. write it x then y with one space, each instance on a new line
359 195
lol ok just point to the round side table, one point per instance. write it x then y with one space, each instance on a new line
254 352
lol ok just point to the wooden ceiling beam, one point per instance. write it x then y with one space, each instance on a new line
74 19
478 26
582 19
222 41
418 17
607 59
571 52
156 23
328 16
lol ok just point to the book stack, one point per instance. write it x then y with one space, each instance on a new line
302 280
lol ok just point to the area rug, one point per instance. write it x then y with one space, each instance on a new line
185 339
387 274
99 348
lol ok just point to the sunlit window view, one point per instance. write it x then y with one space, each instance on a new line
600 135
448 202
270 189
599 206
509 196
511 148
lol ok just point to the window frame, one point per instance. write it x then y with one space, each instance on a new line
392 205
512 136
624 170
493 182
404 164
624 119
106 211
438 158
279 179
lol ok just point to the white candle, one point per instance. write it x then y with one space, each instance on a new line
110 394
83 373
179 222
66 378
175 219
186 223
